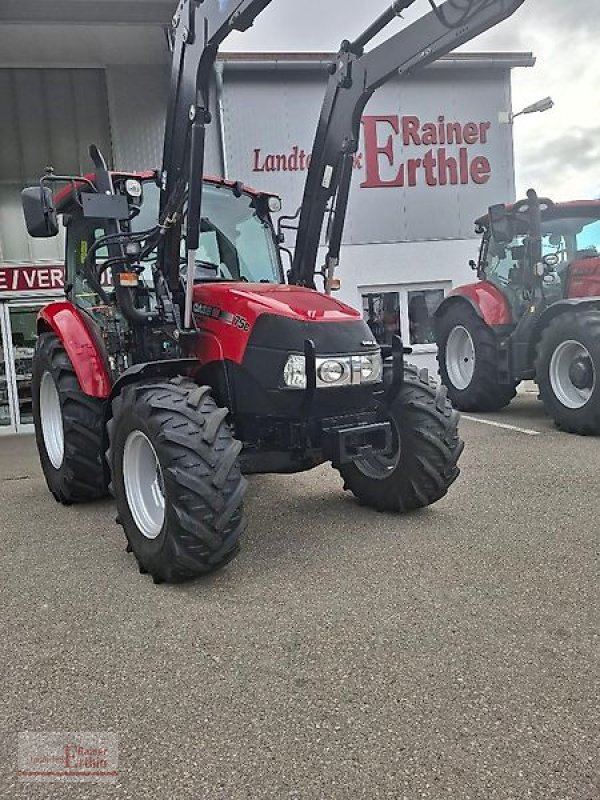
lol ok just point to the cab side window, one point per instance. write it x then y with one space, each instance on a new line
82 234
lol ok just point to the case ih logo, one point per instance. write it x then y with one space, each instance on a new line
384 136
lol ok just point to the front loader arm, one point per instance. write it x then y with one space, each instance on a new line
355 76
199 28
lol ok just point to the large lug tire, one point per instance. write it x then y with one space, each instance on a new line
69 427
468 360
568 371
426 450
176 479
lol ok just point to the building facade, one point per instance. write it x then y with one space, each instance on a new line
433 155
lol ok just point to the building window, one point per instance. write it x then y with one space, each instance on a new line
422 305
382 313
406 311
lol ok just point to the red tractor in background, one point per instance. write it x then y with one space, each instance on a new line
533 315
200 364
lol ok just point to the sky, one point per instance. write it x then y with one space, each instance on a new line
557 152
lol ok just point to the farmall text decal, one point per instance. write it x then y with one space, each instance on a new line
446 153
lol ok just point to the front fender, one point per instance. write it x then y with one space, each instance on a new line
68 323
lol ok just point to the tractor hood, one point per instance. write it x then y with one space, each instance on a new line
251 300
235 316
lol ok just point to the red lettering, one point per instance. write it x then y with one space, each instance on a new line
471 133
448 168
373 151
430 163
483 131
257 166
410 130
454 133
481 170
413 166
429 136
463 158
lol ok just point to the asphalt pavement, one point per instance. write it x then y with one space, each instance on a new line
345 654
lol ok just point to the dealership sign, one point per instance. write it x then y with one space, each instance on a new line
31 279
443 153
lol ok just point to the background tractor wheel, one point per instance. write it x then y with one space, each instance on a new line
568 371
176 479
69 427
468 358
426 450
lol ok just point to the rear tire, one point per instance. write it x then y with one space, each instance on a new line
568 371
69 427
468 358
176 479
427 447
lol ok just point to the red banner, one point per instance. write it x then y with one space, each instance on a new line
27 279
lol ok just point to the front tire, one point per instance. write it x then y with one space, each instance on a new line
69 427
426 450
468 359
176 479
568 371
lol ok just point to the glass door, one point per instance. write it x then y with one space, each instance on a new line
7 415
21 336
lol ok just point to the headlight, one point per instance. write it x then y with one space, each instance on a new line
335 371
332 371
294 372
371 368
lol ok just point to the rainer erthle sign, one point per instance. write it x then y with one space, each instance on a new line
443 153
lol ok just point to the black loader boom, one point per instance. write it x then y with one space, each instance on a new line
199 28
355 76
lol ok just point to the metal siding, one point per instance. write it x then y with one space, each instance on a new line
138 97
49 117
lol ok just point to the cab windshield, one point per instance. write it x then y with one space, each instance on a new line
236 244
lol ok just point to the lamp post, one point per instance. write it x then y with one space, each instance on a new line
536 108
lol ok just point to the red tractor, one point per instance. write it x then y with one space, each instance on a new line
533 315
196 363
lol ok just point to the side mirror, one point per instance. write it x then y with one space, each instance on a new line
500 224
40 214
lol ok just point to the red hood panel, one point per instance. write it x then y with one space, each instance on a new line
227 313
264 298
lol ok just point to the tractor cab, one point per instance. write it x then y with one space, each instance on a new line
237 239
570 252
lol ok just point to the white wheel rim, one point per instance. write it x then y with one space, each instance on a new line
567 356
460 358
143 480
52 421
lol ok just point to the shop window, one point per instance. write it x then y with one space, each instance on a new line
382 314
407 312
422 305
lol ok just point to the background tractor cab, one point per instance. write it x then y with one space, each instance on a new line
539 275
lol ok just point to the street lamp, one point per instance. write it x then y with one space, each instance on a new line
536 108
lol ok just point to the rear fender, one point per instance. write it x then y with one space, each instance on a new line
484 298
68 323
